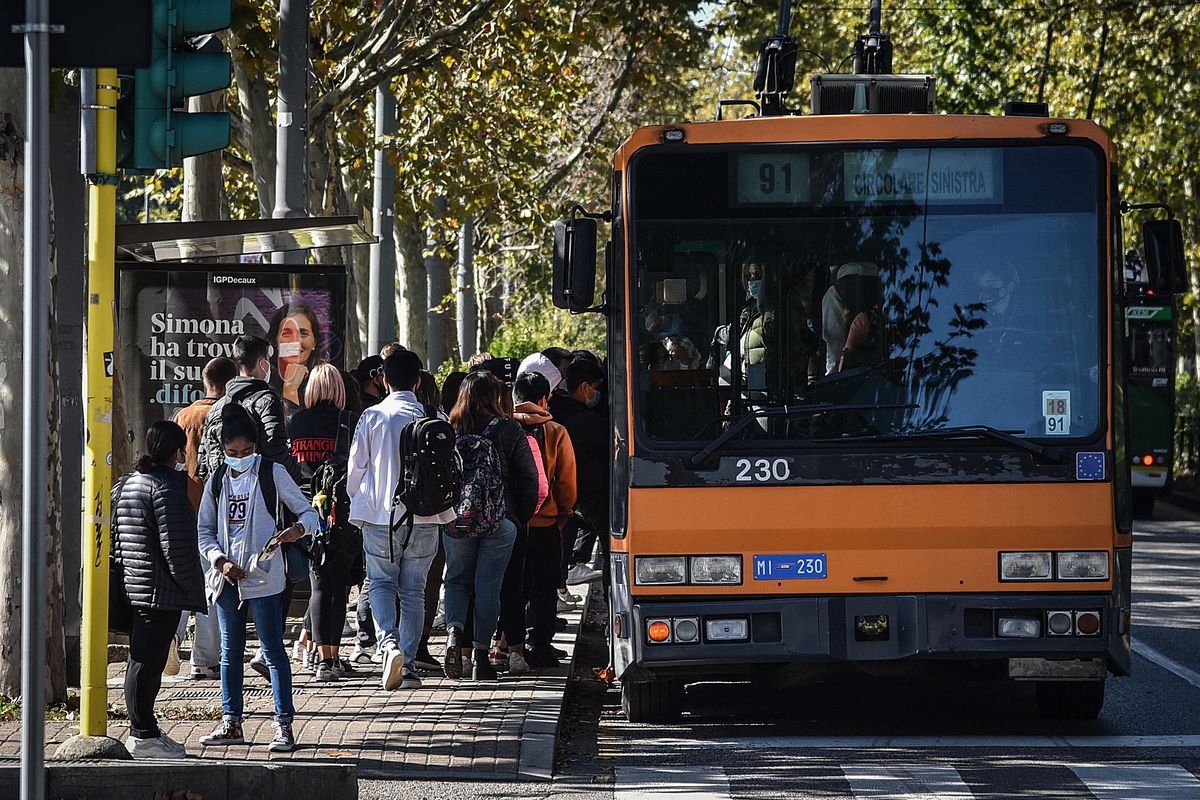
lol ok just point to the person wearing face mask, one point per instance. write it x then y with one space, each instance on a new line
577 412
239 533
157 564
997 286
251 390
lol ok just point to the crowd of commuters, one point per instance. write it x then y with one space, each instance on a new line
258 487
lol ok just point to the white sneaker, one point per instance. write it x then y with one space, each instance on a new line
180 750
393 664
582 573
152 748
377 656
516 663
299 653
360 655
172 667
199 673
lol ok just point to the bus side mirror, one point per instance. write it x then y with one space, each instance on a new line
574 286
1166 270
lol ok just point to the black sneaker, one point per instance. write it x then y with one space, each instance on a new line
454 653
227 733
540 658
483 671
425 659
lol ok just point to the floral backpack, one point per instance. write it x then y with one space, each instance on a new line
480 507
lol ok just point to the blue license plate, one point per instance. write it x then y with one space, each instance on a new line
790 567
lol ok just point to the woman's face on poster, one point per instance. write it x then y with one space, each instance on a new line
296 340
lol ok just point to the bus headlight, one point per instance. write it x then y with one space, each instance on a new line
716 569
1083 566
1025 566
660 570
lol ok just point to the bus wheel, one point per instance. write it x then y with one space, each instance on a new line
655 701
1070 699
1143 504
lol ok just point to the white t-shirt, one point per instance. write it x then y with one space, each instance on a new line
241 495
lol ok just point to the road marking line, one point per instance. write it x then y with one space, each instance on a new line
928 742
1138 781
904 782
676 783
1171 665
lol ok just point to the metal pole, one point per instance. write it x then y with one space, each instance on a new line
34 419
381 283
291 120
98 394
468 310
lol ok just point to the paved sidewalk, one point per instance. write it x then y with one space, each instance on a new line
447 729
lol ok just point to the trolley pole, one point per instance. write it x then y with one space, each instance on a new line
98 389
36 380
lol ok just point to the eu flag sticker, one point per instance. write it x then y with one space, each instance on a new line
1089 466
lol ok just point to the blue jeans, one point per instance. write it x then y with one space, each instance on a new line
401 580
268 621
477 564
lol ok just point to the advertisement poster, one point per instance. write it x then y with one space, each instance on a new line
171 322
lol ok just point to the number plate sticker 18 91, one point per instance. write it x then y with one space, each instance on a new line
790 567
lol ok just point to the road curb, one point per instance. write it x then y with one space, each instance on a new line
191 777
539 738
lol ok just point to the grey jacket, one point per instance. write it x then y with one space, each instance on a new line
266 578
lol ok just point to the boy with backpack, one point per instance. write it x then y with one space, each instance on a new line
399 546
543 554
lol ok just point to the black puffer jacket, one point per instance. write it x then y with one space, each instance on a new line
266 408
590 437
154 541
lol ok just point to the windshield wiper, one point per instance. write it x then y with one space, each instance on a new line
962 432
742 421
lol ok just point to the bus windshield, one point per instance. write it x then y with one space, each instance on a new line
948 286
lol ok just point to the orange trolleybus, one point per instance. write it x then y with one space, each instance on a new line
866 381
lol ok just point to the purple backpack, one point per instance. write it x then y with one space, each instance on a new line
480 507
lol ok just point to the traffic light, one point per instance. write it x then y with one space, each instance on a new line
155 130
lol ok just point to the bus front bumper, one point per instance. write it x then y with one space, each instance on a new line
765 631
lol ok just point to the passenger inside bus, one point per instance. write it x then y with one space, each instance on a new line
852 303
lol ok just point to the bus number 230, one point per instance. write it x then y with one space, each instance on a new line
762 470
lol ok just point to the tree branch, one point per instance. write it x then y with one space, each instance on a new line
599 122
361 80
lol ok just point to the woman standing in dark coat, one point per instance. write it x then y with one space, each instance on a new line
157 560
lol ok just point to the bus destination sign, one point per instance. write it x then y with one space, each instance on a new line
936 176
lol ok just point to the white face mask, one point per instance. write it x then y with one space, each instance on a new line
242 464
267 377
181 466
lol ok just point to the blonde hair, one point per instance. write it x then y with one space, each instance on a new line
325 383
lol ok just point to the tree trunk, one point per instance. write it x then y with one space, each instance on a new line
258 125
439 297
412 284
203 180
468 298
12 250
1192 190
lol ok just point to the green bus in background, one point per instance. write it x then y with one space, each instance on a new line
1150 395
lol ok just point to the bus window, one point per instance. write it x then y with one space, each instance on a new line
958 281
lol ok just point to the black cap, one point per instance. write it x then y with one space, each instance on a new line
503 368
370 368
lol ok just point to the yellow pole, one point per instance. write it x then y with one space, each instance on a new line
98 389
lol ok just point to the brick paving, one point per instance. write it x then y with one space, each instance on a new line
445 729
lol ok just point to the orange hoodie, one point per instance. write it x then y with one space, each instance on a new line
559 458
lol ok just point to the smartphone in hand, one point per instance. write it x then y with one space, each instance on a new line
270 547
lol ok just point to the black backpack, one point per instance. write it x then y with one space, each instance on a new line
431 472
